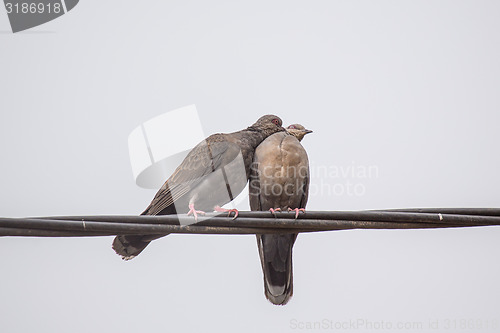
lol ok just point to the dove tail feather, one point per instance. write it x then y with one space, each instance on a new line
276 258
130 246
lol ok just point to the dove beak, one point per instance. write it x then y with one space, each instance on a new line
306 131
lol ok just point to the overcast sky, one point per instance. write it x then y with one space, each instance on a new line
407 89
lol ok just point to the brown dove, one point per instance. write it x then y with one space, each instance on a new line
212 174
279 180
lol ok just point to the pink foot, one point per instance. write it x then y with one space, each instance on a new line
194 212
274 210
297 210
228 211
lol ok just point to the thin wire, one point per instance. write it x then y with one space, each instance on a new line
249 222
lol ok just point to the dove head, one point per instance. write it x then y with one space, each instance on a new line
268 124
298 131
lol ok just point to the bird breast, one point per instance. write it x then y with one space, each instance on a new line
221 186
283 169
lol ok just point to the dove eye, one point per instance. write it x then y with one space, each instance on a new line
276 122
291 127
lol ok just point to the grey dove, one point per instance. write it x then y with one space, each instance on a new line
213 173
279 180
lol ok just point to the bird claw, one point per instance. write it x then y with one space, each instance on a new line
194 212
229 211
297 210
274 210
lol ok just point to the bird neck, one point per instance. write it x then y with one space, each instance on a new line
298 136
254 137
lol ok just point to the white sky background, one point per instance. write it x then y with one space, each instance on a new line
411 87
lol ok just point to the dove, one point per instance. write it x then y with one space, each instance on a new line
212 174
279 180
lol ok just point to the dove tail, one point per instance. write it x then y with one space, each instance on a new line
275 252
130 246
